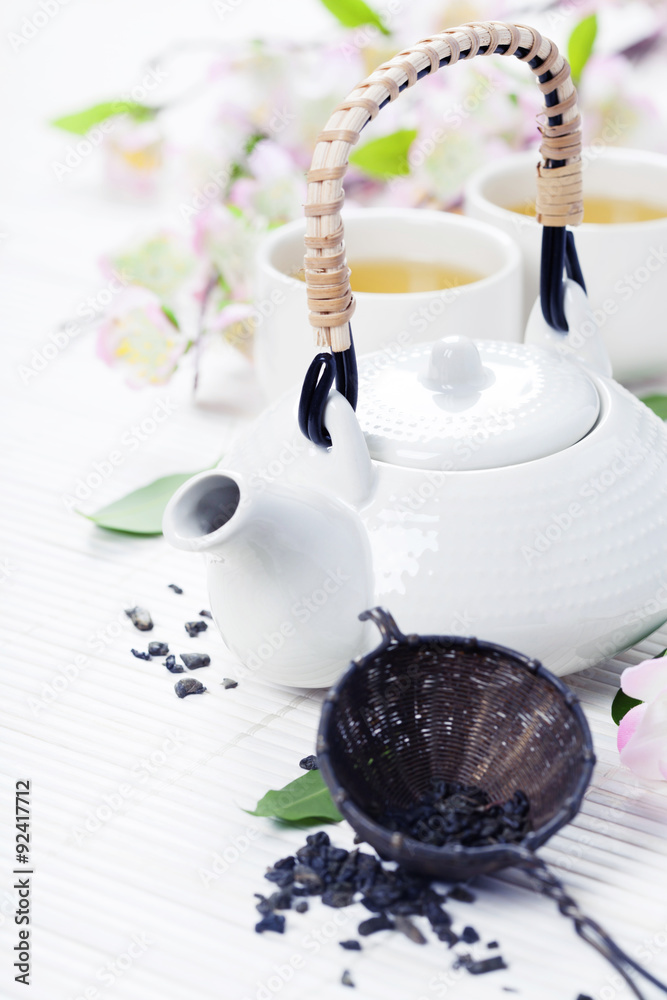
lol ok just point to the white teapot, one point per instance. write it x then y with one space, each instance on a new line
510 491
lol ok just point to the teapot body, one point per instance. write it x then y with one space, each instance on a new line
563 558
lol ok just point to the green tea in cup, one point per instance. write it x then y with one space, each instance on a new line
611 211
400 276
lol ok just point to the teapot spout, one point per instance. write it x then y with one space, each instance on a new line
289 570
204 511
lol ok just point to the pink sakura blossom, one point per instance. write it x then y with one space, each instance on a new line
228 240
164 264
642 733
138 337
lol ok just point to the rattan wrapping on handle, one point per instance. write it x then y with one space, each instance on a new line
559 191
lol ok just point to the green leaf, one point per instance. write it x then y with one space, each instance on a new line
658 404
171 316
306 799
580 45
140 512
354 13
387 156
81 121
622 704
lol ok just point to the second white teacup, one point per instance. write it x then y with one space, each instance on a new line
489 307
623 263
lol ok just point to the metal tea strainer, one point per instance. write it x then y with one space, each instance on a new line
422 709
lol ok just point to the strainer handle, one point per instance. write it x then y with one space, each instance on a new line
389 630
548 884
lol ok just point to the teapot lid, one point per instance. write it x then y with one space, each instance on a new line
461 405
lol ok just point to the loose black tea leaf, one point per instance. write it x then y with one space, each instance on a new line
139 655
171 664
493 944
158 648
194 628
205 614
140 618
189 685
338 898
175 588
346 979
228 683
375 924
412 932
288 862
453 813
461 894
194 661
271 922
309 763
447 935
392 893
486 965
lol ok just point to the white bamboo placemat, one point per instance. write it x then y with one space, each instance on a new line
145 863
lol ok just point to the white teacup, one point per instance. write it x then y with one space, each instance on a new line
488 309
624 264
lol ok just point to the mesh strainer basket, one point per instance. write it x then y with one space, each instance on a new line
422 709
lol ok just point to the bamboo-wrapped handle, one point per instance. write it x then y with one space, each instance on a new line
559 192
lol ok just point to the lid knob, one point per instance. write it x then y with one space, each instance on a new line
455 364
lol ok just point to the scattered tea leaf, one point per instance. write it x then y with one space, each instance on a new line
188 686
306 799
81 121
580 45
140 512
658 404
354 13
387 156
621 705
